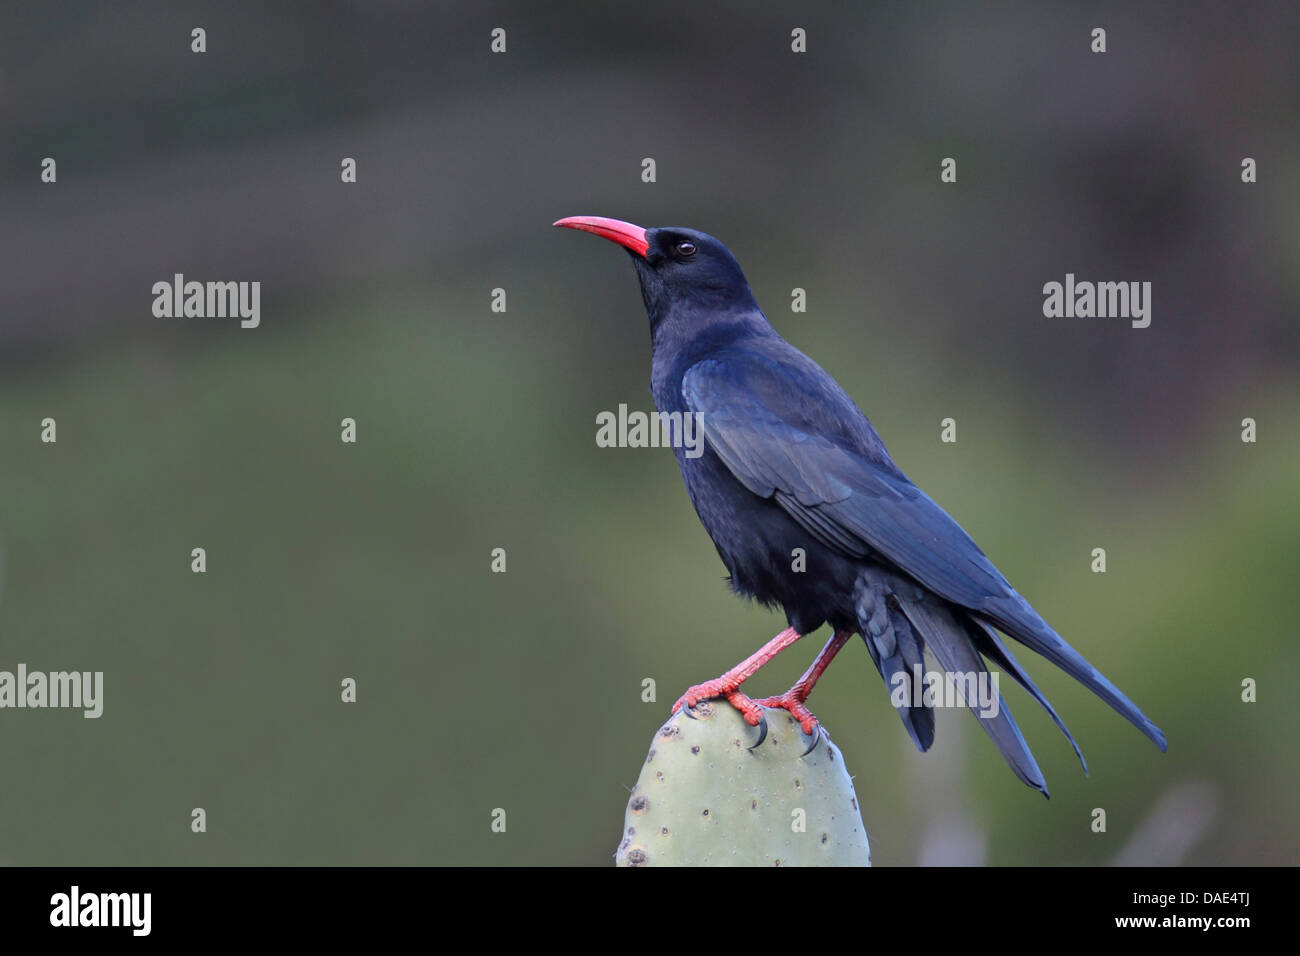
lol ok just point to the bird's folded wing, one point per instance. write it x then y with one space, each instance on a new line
812 450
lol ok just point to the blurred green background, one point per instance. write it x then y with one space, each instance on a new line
476 430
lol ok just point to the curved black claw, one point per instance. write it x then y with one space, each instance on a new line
689 711
762 732
816 736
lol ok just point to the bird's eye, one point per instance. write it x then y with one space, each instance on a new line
685 248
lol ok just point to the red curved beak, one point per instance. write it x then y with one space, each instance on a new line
616 230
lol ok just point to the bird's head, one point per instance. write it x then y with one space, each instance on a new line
679 268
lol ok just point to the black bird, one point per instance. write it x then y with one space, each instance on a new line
790 462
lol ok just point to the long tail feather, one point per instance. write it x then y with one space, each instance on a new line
952 646
987 643
897 651
1014 616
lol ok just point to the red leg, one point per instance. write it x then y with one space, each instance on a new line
728 685
793 699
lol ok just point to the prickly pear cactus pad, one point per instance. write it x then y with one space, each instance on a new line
705 799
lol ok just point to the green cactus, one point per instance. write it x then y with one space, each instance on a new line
705 799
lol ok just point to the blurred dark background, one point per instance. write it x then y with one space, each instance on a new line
476 429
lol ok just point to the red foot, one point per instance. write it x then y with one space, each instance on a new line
715 688
728 685
792 702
